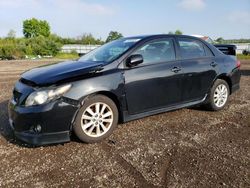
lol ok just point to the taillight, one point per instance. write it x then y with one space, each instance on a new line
238 64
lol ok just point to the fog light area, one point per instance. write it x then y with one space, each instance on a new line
36 128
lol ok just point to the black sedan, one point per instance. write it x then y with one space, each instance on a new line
120 81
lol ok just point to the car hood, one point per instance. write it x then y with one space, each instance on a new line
60 72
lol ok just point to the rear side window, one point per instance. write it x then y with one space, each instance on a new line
191 48
157 51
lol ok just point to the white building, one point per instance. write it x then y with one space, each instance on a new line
241 47
80 49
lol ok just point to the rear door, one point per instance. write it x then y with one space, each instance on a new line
199 68
155 83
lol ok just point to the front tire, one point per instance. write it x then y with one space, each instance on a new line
218 96
96 119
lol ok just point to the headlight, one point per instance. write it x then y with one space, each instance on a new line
46 95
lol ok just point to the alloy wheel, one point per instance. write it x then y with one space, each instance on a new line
97 119
220 95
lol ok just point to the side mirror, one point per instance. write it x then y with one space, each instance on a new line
134 60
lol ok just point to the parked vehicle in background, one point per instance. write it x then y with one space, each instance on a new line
228 49
246 51
123 80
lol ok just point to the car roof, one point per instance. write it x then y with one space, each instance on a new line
158 36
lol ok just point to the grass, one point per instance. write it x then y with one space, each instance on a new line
243 57
67 56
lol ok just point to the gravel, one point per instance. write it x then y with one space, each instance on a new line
190 147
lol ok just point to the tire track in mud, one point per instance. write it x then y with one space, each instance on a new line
112 153
167 165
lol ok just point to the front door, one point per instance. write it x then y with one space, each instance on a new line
156 82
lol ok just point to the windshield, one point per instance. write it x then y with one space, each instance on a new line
110 51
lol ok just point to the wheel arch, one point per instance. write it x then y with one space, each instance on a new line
227 79
111 96
108 94
115 99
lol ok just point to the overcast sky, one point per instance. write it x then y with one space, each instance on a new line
72 18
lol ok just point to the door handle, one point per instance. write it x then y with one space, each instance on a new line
213 64
176 69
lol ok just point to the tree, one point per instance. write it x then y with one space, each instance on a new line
113 35
178 32
219 40
87 39
11 34
34 28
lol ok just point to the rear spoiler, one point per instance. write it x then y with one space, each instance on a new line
228 49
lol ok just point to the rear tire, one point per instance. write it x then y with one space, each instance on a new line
96 119
218 96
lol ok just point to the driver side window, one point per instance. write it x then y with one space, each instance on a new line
157 51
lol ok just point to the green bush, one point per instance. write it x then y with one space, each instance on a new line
42 46
18 48
11 49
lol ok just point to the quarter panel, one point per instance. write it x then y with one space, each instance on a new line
198 76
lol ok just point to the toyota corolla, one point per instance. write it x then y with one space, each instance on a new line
123 80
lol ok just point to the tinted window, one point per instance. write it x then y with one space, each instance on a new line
191 48
157 51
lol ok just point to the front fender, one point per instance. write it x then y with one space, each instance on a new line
111 82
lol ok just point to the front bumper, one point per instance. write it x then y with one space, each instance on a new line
55 120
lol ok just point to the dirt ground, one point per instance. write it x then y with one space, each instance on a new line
184 148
